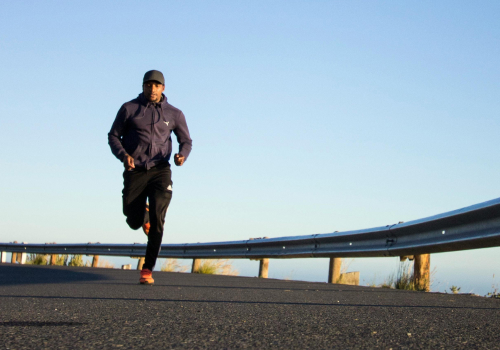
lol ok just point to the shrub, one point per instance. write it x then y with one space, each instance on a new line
37 259
404 279
77 260
62 260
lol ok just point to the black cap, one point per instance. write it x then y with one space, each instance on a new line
155 75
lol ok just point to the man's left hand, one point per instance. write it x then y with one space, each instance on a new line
179 160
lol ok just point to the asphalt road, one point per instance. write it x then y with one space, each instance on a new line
70 307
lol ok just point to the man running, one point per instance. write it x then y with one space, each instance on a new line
140 138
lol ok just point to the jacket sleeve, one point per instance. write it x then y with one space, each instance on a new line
116 133
181 131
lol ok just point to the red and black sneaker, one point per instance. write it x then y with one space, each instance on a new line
146 277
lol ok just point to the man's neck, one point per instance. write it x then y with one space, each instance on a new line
147 100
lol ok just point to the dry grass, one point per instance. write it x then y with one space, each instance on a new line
37 259
77 260
388 283
494 293
217 267
344 266
65 260
61 260
404 279
105 264
173 265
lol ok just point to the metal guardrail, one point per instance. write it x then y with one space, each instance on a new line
477 226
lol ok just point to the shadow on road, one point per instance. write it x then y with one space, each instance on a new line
26 274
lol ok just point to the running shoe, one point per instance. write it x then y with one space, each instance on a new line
146 277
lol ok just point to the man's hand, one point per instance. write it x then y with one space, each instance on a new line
178 159
128 162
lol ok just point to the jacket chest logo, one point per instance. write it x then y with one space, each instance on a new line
166 123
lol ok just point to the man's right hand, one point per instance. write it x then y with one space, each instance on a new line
128 162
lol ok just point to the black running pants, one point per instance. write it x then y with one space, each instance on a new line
155 185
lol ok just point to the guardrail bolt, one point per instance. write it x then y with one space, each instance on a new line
95 261
263 268
140 263
334 270
196 265
422 272
3 257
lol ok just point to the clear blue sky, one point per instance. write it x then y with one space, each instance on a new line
306 117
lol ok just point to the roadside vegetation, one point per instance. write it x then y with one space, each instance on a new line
403 278
37 259
344 266
63 260
217 267
77 260
494 290
105 264
173 265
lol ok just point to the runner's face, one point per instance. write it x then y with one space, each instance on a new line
152 91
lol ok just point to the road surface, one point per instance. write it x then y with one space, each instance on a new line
72 307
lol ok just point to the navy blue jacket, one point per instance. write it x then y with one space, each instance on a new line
142 130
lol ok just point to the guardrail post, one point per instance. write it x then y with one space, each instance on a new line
140 263
3 257
263 268
422 272
53 259
334 270
196 265
13 256
21 258
95 261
